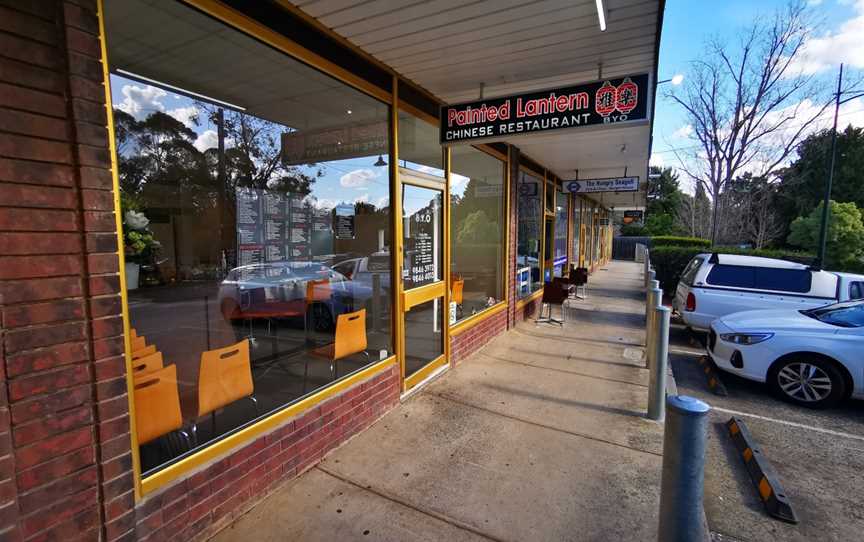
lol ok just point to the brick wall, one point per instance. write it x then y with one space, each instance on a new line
513 164
64 442
474 338
209 499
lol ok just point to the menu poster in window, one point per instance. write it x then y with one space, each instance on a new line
420 249
322 232
298 229
344 227
274 208
250 234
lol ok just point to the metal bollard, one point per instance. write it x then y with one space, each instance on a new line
657 364
683 478
647 267
653 300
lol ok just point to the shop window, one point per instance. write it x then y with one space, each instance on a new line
577 228
419 149
256 222
559 261
596 237
476 232
530 215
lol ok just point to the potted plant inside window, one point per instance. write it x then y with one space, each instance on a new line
139 246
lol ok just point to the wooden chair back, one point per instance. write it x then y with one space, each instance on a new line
224 376
350 334
157 404
147 364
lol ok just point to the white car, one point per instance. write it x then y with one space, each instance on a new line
812 357
714 285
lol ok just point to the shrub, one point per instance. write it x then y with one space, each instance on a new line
673 241
669 261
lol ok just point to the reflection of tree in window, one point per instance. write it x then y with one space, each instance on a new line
163 173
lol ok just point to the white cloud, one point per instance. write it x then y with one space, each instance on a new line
657 160
362 199
186 115
456 179
683 132
829 50
357 178
141 101
207 140
322 203
813 3
382 202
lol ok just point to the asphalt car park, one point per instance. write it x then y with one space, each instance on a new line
817 454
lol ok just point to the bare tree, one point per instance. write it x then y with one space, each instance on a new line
750 106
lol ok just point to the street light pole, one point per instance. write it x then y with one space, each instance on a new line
823 227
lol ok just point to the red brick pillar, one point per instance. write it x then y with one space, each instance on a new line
65 462
513 227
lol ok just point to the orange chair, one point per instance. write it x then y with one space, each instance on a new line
157 405
224 376
138 343
350 339
148 350
456 288
146 364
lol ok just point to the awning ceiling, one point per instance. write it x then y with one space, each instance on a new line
454 48
450 47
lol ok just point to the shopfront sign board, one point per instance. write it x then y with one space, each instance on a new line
603 102
632 216
592 186
337 143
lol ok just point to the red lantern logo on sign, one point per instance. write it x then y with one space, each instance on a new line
605 99
628 96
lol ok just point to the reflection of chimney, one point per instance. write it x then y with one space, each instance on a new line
380 240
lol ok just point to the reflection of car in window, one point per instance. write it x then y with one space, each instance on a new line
279 290
362 270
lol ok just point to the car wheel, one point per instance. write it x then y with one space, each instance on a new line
808 380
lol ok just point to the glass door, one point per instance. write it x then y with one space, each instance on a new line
423 284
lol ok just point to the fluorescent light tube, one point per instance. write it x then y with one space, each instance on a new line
601 15
178 89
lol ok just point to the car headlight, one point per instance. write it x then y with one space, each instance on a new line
745 338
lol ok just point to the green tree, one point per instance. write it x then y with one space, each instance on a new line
664 202
802 184
845 243
477 228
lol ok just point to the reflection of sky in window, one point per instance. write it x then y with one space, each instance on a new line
350 180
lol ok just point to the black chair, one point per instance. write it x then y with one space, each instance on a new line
554 293
579 279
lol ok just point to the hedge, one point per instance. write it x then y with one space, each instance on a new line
669 261
673 241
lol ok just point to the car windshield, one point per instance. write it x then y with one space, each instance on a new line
849 314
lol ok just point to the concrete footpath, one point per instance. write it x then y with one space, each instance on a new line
541 435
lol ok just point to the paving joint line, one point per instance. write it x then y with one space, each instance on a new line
790 424
494 359
392 498
544 426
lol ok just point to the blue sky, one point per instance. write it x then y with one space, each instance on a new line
838 36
